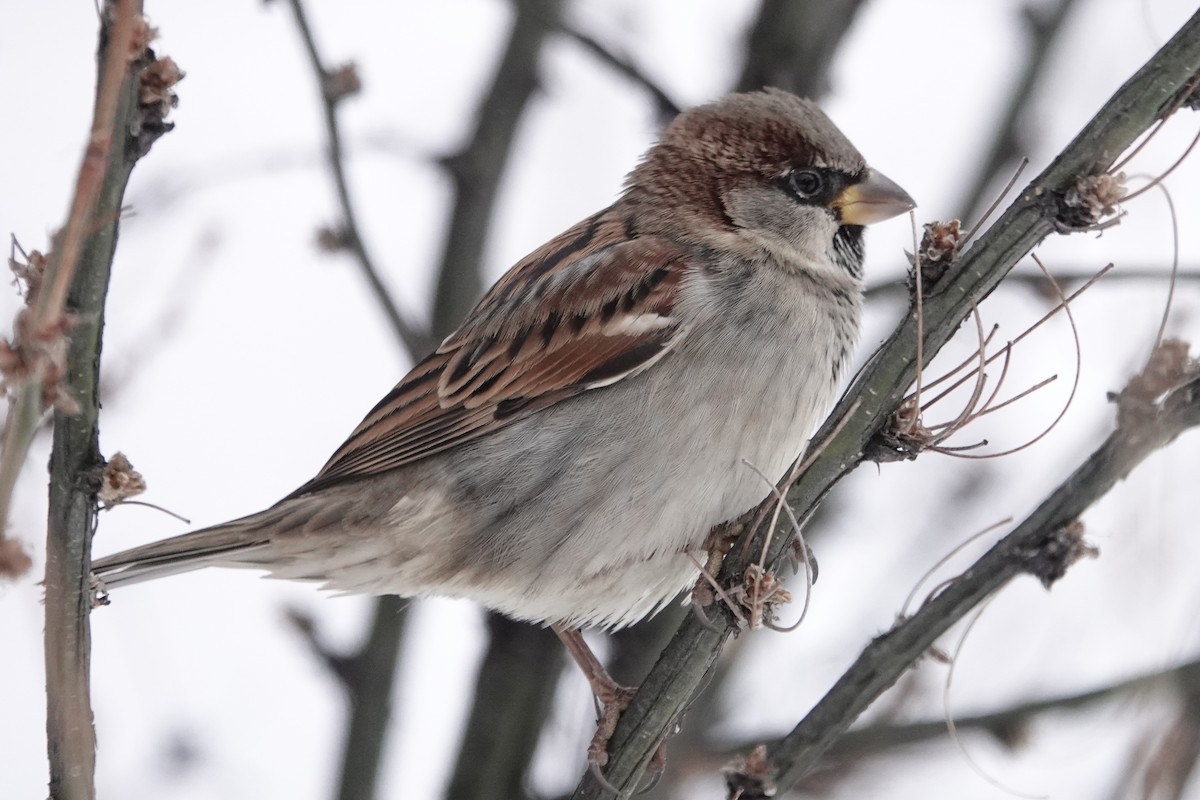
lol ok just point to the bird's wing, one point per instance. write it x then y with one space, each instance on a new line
588 309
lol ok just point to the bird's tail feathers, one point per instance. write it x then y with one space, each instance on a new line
229 544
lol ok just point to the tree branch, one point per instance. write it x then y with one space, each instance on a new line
867 406
132 97
514 691
368 677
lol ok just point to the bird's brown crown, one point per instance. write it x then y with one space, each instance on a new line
761 135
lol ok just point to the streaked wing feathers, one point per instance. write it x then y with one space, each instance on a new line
586 310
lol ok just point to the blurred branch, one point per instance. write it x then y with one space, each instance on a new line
158 196
665 107
1183 679
368 676
870 402
1162 762
477 168
133 95
1005 724
335 86
514 691
1042 25
792 44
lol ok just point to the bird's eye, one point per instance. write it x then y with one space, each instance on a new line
805 183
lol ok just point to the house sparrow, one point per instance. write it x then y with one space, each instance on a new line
563 455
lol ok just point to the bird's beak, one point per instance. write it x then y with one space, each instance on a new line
872 200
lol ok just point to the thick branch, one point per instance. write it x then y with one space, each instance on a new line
879 388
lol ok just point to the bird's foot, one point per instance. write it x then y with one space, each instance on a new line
613 699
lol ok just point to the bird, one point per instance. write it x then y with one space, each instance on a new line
562 456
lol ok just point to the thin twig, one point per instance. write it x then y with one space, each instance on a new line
1174 281
971 359
49 311
877 738
1178 104
1158 179
968 411
1065 304
995 204
417 341
942 395
941 562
